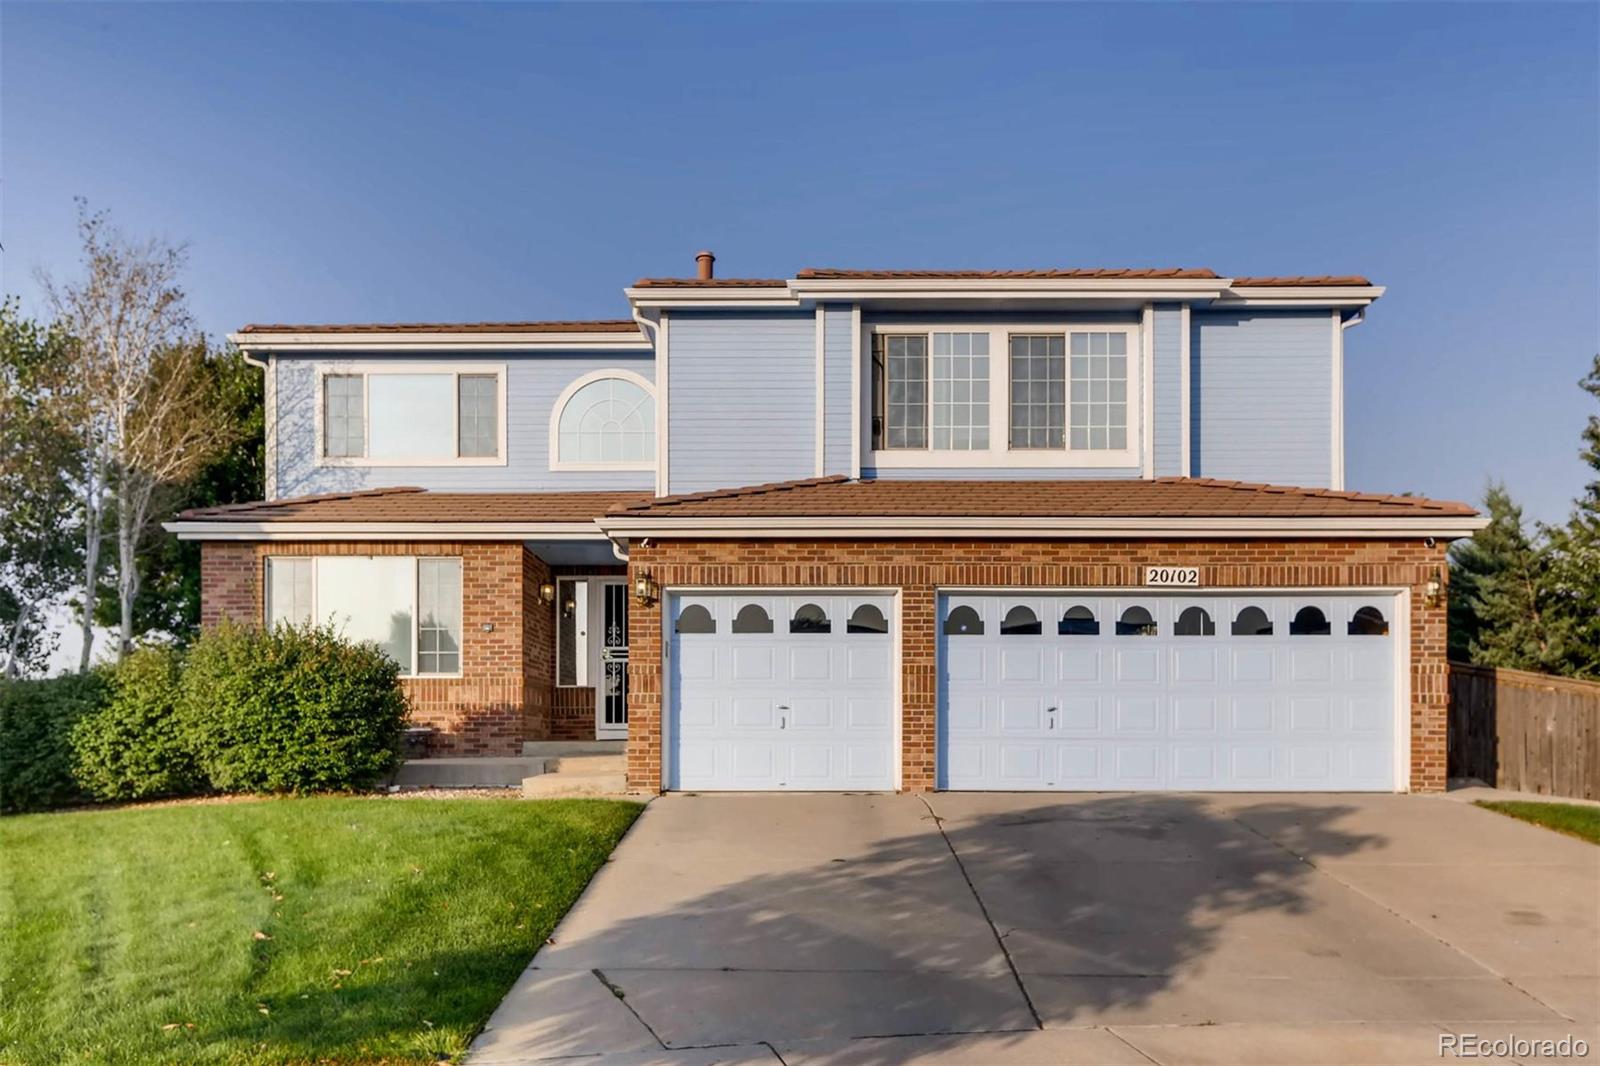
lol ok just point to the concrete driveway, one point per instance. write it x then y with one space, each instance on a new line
1090 928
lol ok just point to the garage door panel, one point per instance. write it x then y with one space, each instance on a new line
1242 692
780 694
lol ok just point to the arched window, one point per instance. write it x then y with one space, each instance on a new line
1078 621
1020 621
1136 622
810 619
605 419
1368 622
695 619
1309 622
752 618
1252 622
963 621
867 619
1195 622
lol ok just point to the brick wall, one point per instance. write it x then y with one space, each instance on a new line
504 695
920 568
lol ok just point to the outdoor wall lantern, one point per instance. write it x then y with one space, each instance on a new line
547 593
645 588
1432 589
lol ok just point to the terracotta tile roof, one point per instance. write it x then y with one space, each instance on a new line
418 505
830 274
1099 498
605 325
1303 280
710 283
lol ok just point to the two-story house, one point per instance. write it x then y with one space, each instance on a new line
867 529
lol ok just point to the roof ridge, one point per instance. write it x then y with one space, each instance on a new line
736 492
320 497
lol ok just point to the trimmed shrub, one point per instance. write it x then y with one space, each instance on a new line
36 720
291 709
133 747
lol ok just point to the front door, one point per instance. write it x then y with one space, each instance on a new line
611 694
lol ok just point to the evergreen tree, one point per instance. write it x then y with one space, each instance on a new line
1575 547
1502 596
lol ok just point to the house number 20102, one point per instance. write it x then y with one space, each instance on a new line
1172 575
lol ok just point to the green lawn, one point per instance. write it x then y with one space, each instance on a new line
1570 818
280 931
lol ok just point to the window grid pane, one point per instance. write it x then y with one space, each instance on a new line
961 391
343 416
438 616
288 592
1099 409
1038 391
906 405
478 416
611 420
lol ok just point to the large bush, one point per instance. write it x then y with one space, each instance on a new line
291 710
36 720
134 747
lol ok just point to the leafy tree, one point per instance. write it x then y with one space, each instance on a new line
168 601
40 545
130 391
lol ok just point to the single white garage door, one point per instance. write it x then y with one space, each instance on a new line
791 691
1243 692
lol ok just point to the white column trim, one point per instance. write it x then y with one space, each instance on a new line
1183 384
1147 352
269 401
822 420
1336 467
855 391
663 394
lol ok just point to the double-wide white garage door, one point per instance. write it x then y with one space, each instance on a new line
1240 692
781 691
1207 693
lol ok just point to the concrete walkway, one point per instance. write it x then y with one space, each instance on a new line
1107 928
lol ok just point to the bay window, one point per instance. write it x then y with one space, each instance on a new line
400 414
409 606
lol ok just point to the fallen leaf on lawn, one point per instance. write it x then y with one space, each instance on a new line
170 1026
259 935
263 1008
342 973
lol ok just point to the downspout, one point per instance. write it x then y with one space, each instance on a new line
269 423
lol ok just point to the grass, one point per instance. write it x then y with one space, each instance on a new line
1570 818
329 929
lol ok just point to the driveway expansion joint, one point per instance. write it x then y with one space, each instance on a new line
983 907
622 997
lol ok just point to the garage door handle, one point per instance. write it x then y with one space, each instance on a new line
783 719
1051 711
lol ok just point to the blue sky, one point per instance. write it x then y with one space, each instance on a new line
333 162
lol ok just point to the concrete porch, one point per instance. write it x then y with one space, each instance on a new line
545 768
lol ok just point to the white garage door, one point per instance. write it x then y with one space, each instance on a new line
1242 692
790 691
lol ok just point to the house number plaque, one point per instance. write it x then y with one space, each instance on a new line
1175 576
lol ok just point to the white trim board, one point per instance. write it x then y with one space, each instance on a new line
345 531
379 341
900 527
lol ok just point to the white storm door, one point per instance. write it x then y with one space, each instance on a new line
1239 692
788 691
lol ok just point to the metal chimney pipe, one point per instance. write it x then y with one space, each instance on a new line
703 262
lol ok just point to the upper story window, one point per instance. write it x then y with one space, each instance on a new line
605 420
410 415
1000 396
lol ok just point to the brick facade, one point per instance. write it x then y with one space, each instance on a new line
920 568
506 692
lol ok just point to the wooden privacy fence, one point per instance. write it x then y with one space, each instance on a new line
1523 731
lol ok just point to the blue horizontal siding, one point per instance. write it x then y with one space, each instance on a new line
743 398
1167 388
1261 396
533 383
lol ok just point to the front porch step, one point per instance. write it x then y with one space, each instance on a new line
574 747
551 786
584 765
467 772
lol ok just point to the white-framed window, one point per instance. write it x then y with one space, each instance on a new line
1024 395
409 414
605 420
409 606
